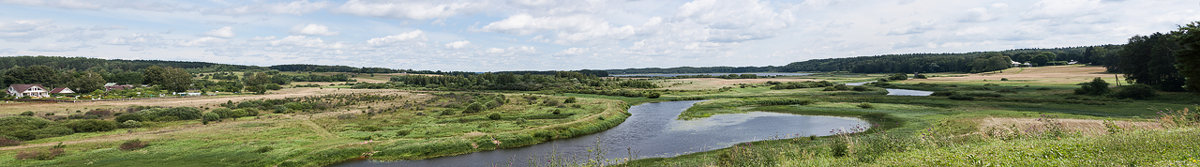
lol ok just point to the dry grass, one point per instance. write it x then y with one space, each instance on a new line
1051 75
1086 127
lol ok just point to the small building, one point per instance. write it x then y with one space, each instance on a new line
1015 63
117 87
62 91
27 90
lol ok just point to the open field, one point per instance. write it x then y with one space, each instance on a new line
68 108
387 129
1067 75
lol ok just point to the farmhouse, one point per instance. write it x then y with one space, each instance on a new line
27 90
62 91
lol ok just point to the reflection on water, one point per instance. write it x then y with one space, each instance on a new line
897 92
654 131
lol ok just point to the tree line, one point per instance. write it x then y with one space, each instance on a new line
1165 61
561 80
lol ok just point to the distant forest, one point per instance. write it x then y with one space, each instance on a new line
921 62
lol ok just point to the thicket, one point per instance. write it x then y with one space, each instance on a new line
798 85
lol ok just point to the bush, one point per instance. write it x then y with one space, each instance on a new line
131 124
920 76
1139 92
898 77
1003 79
473 108
210 117
49 154
569 100
494 116
133 145
27 113
961 97
653 95
6 141
865 105
1096 87
264 149
91 125
944 93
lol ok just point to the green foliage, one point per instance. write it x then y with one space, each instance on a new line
865 105
897 77
170 78
636 83
474 108
1095 88
494 116
91 125
799 85
29 128
1189 56
27 113
210 116
1150 60
961 97
131 124
569 100
1138 91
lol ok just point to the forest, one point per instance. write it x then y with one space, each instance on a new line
920 62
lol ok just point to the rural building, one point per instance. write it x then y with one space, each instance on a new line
62 91
117 87
27 90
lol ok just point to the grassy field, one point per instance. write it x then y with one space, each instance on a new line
413 126
1017 117
1033 119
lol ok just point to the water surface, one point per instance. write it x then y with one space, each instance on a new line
653 131
897 92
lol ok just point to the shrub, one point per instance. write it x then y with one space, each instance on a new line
865 105
920 76
131 124
1003 79
569 100
944 93
402 133
653 95
838 148
91 125
99 113
211 117
27 113
1138 92
897 77
473 108
494 116
961 97
1096 87
6 141
861 88
557 111
133 145
264 149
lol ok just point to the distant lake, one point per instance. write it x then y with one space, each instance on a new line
713 74
653 131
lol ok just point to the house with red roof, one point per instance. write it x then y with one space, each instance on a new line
27 90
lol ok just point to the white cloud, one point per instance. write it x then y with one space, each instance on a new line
313 29
392 39
574 51
406 10
566 28
223 32
305 41
24 30
458 44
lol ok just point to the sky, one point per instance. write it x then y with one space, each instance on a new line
492 35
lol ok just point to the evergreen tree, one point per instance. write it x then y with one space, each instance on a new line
1189 56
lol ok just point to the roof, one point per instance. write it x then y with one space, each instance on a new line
60 90
21 88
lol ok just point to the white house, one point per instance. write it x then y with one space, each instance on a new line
30 90
62 91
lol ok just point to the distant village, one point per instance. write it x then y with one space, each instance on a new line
37 91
